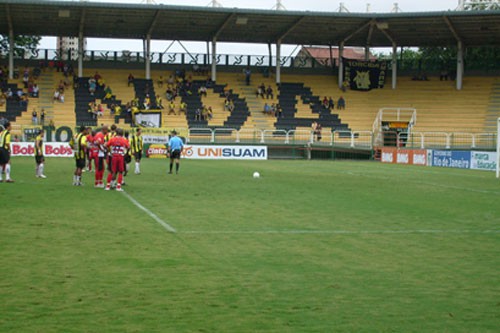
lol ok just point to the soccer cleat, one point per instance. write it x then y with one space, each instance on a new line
9 181
42 176
119 189
107 188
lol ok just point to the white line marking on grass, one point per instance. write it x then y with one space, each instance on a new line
339 232
150 213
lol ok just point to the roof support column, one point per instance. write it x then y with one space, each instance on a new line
147 56
460 65
80 54
278 61
367 53
394 65
214 59
270 55
341 64
11 54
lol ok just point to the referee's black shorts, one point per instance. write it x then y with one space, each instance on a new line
176 154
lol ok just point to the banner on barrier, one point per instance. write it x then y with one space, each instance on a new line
482 160
210 152
451 159
225 152
50 149
404 156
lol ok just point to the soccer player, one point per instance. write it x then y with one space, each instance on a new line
90 140
175 146
99 143
118 146
136 147
39 158
5 153
79 145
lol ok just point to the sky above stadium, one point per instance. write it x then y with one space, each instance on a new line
359 6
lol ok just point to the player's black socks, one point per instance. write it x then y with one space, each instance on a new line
176 167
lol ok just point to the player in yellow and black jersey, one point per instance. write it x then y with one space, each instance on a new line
39 158
79 145
136 145
5 153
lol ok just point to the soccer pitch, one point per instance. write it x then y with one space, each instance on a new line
310 246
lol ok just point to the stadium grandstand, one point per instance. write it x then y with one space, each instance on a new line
267 99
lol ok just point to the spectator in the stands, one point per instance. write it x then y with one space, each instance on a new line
159 102
108 93
267 109
92 86
160 81
210 113
42 117
170 80
279 111
229 104
130 79
34 117
341 103
204 113
26 78
273 110
57 95
169 95
248 74
331 103
23 101
61 85
269 92
325 103
197 114
19 94
171 107
147 102
183 108
61 97
9 94
35 90
202 91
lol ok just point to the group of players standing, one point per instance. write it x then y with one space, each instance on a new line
109 147
113 147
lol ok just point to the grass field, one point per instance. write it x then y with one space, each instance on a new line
309 247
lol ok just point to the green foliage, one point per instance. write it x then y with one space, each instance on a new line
22 43
308 247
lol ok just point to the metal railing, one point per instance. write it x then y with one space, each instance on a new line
341 139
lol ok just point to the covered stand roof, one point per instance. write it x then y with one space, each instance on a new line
164 22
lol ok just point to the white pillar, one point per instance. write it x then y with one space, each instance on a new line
80 54
341 65
278 62
147 56
11 54
460 65
214 59
394 65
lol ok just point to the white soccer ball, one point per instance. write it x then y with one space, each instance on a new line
256 174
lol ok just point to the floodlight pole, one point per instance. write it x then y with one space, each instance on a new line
460 65
394 65
278 61
341 64
147 56
11 54
80 54
214 59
